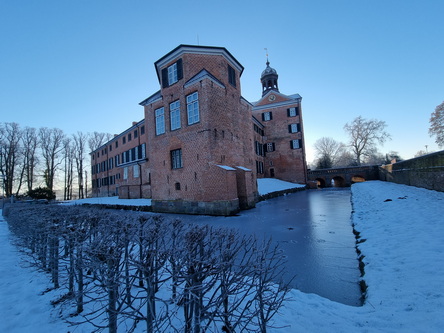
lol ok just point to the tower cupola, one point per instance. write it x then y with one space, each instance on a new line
269 79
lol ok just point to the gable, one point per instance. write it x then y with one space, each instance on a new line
273 97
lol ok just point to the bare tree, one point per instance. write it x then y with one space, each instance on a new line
69 168
51 143
30 159
437 125
97 139
10 138
365 135
80 140
328 149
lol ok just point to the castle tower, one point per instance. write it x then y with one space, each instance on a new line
269 79
280 153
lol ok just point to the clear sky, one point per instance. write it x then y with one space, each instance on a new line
84 65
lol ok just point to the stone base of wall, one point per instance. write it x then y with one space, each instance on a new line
223 207
134 191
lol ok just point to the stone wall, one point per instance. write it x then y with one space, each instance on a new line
426 171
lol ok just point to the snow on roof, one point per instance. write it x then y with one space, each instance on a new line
226 167
243 168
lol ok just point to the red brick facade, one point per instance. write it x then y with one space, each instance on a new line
204 147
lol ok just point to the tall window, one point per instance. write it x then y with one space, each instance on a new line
160 121
292 112
125 173
176 159
231 76
267 116
293 128
193 108
295 144
172 74
136 171
270 147
175 115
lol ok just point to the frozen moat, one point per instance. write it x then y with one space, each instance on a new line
313 228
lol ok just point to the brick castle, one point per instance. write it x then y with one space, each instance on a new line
201 146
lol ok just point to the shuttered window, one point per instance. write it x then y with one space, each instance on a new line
269 147
231 76
296 144
267 116
294 128
293 112
172 74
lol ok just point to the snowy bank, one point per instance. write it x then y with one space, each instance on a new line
403 229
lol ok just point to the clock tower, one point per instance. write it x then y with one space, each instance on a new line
269 79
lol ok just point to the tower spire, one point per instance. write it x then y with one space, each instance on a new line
266 53
269 77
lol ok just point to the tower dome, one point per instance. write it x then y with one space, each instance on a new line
269 79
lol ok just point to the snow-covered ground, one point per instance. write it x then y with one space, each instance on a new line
404 255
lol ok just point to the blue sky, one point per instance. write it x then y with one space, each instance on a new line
85 65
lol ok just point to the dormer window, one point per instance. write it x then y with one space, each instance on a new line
231 76
172 74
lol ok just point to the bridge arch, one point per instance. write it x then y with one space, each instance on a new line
357 179
340 177
320 182
338 181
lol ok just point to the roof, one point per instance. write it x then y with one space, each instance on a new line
154 97
203 74
197 49
292 98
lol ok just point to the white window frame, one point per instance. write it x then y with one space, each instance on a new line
136 171
292 112
294 128
267 116
193 108
176 159
172 74
125 173
160 120
295 144
175 115
270 147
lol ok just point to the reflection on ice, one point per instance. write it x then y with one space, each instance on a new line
314 231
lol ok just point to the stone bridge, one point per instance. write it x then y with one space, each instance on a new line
342 177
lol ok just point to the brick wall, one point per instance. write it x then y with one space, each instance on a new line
284 162
223 136
108 176
426 171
